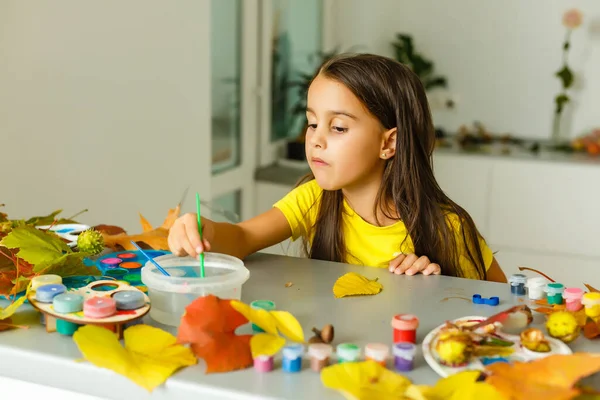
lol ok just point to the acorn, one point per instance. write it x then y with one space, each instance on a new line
324 335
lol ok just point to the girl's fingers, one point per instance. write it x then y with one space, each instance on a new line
396 261
418 266
432 269
408 261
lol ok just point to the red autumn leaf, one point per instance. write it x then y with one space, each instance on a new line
209 325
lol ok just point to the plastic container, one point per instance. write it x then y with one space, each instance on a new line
263 363
591 301
347 352
572 298
535 288
517 284
319 354
404 355
554 293
377 352
405 328
292 358
170 295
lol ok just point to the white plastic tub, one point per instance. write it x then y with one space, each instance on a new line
170 295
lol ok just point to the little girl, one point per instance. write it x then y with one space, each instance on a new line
372 198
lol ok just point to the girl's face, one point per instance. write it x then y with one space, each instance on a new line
344 142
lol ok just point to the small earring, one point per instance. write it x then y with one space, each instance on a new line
383 155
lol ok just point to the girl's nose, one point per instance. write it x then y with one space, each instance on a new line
317 138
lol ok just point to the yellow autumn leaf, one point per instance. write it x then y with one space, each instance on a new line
288 326
364 380
14 306
273 322
259 317
265 344
352 284
460 386
149 357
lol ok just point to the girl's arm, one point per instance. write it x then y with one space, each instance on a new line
239 240
248 237
495 273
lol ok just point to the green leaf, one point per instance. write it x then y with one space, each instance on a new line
44 220
560 101
70 264
566 76
35 246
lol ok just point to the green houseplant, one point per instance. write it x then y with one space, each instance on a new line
404 51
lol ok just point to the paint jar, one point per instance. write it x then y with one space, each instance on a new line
517 284
111 262
319 354
405 328
99 307
292 358
404 355
66 303
535 288
170 295
129 299
267 305
42 280
377 352
45 293
263 363
347 352
127 256
572 298
554 293
591 301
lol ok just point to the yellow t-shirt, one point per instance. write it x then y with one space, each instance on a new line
367 244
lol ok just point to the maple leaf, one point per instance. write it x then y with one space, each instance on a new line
149 357
209 325
35 246
550 378
461 386
70 264
156 239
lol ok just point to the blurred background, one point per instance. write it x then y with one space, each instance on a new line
122 107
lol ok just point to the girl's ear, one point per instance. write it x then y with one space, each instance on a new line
388 144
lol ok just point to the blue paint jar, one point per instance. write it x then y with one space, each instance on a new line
292 358
46 293
517 284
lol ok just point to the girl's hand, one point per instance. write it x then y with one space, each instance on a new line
184 238
411 264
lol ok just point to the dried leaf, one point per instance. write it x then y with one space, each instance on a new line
149 357
550 378
289 284
351 284
272 322
460 386
265 344
591 329
35 246
44 220
591 289
209 325
6 313
364 380
109 229
156 239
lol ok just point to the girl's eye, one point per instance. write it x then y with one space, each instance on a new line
312 126
339 129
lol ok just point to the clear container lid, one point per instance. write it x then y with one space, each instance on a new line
555 288
377 351
591 299
293 351
517 279
404 349
536 282
572 293
320 351
348 351
222 272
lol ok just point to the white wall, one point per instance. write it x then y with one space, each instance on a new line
225 61
499 56
104 105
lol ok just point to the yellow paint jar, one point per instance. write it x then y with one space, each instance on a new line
591 302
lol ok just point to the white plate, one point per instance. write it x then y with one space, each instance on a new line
520 353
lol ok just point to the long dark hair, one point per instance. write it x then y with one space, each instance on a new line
395 96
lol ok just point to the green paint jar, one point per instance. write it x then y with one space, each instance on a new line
554 293
267 305
347 352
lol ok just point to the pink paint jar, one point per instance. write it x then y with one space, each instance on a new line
263 363
99 307
572 298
